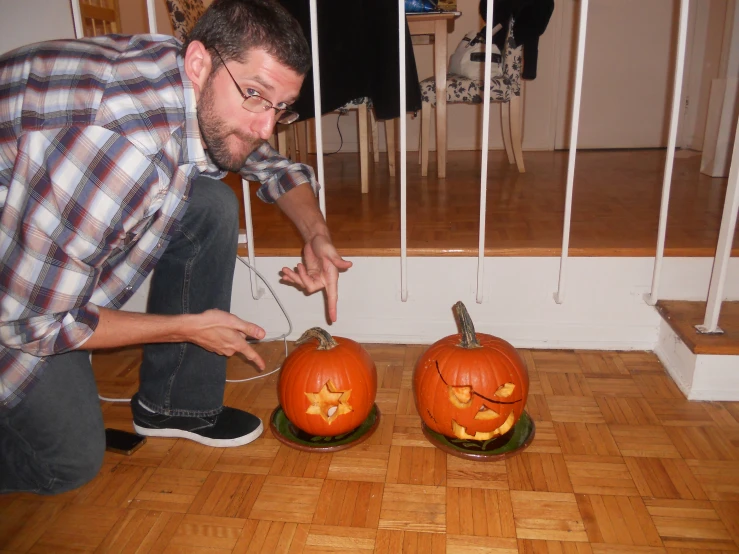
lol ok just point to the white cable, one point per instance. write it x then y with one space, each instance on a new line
282 336
271 339
104 399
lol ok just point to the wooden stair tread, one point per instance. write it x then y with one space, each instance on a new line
683 316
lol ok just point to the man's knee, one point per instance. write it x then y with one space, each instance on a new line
77 463
53 465
82 466
54 440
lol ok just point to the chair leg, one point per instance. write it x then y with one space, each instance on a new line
441 138
425 132
517 130
505 123
390 140
363 147
301 132
283 140
375 143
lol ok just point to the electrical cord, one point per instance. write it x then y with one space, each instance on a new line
341 137
271 339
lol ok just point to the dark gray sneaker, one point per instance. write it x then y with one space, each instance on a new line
231 427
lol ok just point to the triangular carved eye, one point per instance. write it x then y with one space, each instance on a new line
485 413
461 397
505 390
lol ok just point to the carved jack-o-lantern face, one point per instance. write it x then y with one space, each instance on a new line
468 401
329 403
327 384
470 386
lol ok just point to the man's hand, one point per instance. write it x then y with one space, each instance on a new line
320 270
226 334
215 330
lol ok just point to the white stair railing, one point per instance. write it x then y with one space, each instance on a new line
403 157
723 250
317 104
731 205
653 297
79 30
151 11
574 128
485 146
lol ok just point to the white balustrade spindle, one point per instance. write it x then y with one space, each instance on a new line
575 125
403 156
723 249
485 146
667 179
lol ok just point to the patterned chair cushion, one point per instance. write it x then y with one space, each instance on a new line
463 89
353 104
184 14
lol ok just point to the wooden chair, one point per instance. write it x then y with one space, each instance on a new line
505 90
100 17
295 147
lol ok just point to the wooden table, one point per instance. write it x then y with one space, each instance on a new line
436 25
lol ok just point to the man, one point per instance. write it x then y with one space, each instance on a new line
110 155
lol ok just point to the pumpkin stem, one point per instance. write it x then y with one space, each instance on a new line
325 341
469 339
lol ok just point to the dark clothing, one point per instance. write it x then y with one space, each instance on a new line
358 54
54 440
531 18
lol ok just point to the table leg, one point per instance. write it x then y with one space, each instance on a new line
440 53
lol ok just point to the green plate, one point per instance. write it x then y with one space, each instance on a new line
285 432
510 444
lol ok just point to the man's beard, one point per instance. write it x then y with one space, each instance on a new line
215 133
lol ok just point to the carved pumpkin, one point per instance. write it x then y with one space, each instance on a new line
470 386
327 384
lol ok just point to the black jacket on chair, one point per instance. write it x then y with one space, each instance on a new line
531 18
358 54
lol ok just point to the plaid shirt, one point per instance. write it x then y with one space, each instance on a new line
99 142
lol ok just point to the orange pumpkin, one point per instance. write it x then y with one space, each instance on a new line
470 386
327 384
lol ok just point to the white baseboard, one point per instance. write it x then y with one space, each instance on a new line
699 376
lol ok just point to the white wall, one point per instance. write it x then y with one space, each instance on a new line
604 306
628 73
20 23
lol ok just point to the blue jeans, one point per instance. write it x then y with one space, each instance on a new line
54 440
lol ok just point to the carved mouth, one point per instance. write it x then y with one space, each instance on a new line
461 432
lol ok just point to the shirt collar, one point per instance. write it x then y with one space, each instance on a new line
196 154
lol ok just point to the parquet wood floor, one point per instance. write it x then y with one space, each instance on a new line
615 209
621 463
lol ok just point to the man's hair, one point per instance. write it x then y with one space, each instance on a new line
235 27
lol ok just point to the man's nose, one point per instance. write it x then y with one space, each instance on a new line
263 124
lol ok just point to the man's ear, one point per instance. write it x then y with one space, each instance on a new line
198 65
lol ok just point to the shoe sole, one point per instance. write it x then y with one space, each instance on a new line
181 434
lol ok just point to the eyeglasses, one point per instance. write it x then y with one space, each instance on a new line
256 104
